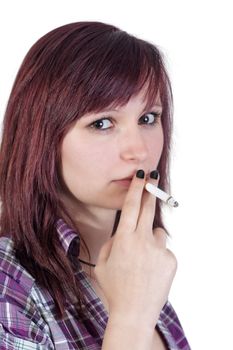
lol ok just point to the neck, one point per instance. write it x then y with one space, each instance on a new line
95 225
95 230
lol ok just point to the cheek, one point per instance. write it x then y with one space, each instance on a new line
82 161
161 141
94 161
156 145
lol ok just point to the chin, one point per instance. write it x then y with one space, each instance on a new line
116 206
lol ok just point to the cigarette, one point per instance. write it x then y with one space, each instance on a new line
157 192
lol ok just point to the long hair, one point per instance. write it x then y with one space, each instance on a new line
75 69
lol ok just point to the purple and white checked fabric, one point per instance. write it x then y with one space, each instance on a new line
27 313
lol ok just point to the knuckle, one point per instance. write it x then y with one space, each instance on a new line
172 260
126 228
129 203
126 225
159 230
133 194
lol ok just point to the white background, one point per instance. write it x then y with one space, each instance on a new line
196 38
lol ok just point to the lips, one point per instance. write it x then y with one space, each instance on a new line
123 182
129 177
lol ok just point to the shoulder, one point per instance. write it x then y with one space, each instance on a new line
20 319
12 273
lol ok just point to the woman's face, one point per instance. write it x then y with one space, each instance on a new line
96 154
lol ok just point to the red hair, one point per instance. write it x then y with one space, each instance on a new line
75 69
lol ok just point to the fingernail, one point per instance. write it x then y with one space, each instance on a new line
154 174
140 174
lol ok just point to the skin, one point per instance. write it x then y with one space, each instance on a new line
92 159
130 267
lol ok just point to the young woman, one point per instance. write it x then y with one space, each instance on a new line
83 257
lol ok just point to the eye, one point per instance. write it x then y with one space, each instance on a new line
153 116
103 124
98 124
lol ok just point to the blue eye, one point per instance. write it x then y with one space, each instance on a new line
98 125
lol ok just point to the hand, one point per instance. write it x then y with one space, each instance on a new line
135 269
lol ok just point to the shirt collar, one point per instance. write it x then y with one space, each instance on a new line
70 239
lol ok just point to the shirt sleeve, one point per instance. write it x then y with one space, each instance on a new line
21 325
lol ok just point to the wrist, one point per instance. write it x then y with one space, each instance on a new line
127 333
132 321
145 317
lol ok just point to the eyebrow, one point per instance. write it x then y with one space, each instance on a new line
117 110
144 109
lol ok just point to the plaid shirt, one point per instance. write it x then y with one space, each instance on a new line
27 317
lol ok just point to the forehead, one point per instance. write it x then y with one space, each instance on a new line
142 99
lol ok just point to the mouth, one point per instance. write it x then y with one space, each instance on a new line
124 182
127 180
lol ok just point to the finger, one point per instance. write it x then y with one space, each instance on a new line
132 204
148 206
160 237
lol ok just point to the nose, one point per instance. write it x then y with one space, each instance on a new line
133 145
